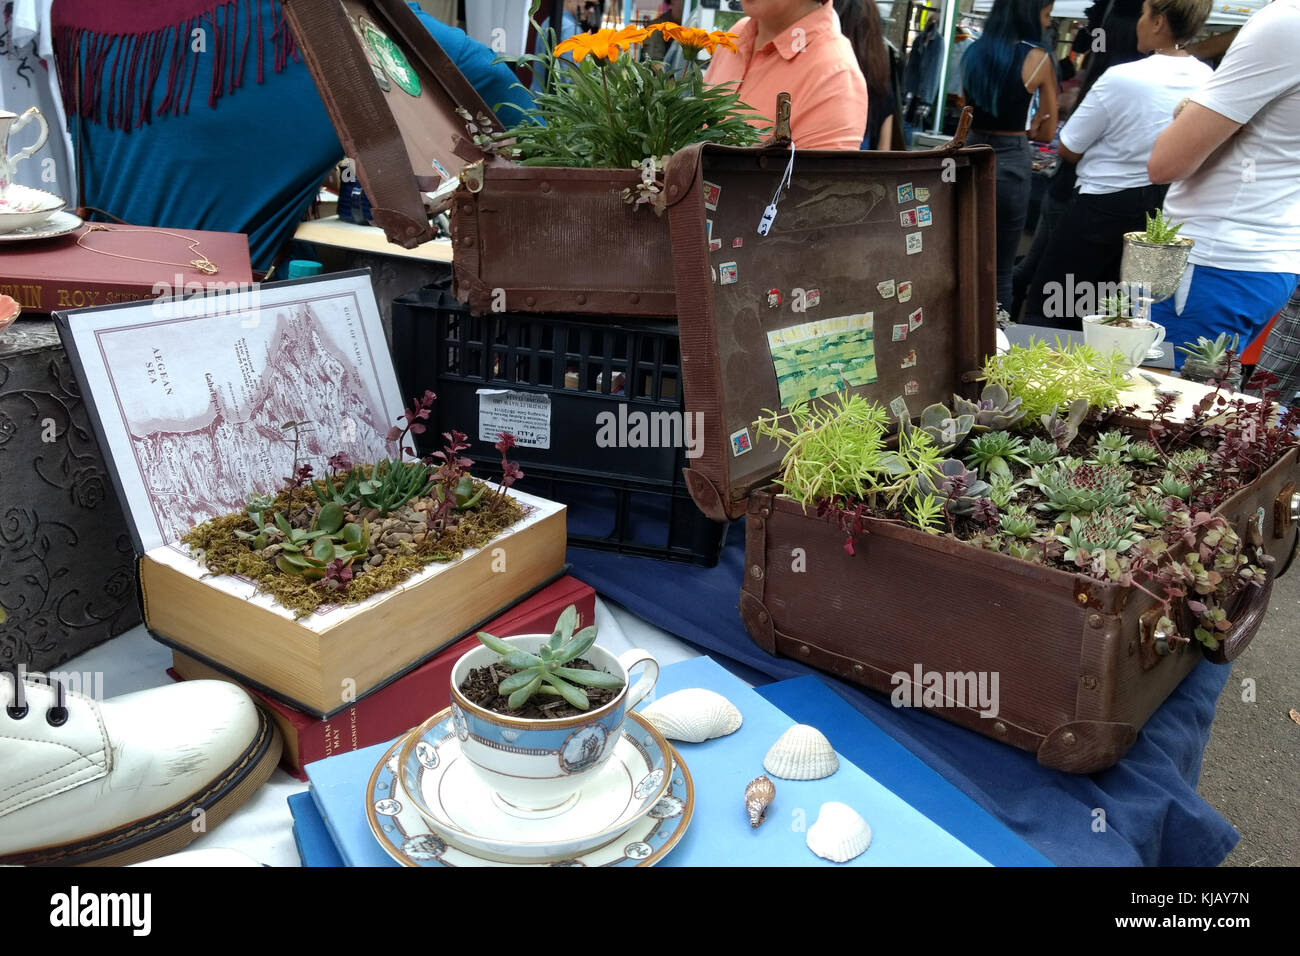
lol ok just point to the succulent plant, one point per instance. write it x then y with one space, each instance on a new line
996 410
1152 509
1161 230
946 429
1004 490
1062 427
1171 486
960 487
1106 529
1143 453
993 452
545 672
1018 523
1071 487
1040 451
1107 456
1024 550
1113 441
310 553
1185 462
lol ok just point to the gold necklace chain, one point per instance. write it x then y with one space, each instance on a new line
202 263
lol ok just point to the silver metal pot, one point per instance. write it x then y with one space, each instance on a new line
1156 268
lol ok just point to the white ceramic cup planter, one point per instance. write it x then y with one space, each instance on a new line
1132 342
537 766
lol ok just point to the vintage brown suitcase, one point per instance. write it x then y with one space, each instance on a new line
1079 668
524 239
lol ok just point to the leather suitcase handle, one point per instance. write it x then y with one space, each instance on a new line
1250 616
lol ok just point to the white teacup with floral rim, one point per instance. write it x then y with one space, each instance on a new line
537 765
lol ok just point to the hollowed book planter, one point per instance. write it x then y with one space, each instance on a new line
188 399
892 253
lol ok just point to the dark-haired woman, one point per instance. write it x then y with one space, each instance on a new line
860 22
1001 72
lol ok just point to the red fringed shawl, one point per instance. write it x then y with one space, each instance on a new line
126 49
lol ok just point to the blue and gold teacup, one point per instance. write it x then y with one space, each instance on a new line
537 766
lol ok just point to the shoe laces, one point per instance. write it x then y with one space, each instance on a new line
55 716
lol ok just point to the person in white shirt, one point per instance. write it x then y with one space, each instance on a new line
1233 156
1110 137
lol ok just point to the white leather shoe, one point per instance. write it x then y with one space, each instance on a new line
125 780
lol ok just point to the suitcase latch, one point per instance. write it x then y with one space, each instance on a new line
1157 641
472 176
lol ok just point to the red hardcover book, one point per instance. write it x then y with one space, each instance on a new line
406 702
120 264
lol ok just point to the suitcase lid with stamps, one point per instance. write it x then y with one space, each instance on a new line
876 273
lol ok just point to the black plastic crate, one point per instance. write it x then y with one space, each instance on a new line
595 381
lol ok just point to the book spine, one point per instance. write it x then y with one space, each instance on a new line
47 296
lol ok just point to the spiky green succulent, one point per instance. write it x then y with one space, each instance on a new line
996 410
1185 462
945 428
1040 451
1151 509
956 485
993 452
1025 551
1113 441
926 512
1143 453
1171 486
1004 490
1107 456
546 672
1018 523
1072 488
1212 352
1106 529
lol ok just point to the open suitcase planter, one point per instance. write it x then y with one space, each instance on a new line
540 235
1079 668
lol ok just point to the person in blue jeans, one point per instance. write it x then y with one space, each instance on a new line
1001 72
1232 154
229 137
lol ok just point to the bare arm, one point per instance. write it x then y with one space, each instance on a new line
1068 154
886 138
1043 128
1187 143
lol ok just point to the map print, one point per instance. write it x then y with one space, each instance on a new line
821 357
204 399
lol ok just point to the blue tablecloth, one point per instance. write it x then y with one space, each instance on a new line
1143 811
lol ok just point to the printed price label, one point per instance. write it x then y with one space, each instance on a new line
525 415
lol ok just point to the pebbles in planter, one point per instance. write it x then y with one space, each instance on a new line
693 715
801 753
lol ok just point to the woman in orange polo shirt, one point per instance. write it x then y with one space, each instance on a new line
795 47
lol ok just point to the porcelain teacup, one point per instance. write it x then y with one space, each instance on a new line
12 123
1132 341
537 766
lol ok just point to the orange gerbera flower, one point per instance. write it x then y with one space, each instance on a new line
725 41
630 36
602 44
698 39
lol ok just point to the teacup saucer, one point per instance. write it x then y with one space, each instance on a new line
22 207
460 806
407 837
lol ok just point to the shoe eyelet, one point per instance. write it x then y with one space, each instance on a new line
16 713
56 716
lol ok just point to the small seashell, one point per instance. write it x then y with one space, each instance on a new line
839 834
801 753
693 715
759 793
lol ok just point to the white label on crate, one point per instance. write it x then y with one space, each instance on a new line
526 415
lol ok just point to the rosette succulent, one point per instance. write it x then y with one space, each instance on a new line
1071 487
546 671
992 453
946 429
957 485
1143 453
996 410
1039 451
1185 462
1018 523
1106 529
1152 509
1171 486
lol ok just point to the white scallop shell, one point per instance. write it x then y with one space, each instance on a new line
694 715
801 753
839 834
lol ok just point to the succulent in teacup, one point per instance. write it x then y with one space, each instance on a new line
546 672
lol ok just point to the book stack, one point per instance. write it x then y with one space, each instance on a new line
356 812
402 703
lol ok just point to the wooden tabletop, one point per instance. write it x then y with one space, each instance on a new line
346 235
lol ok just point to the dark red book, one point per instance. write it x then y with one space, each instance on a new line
407 701
120 264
